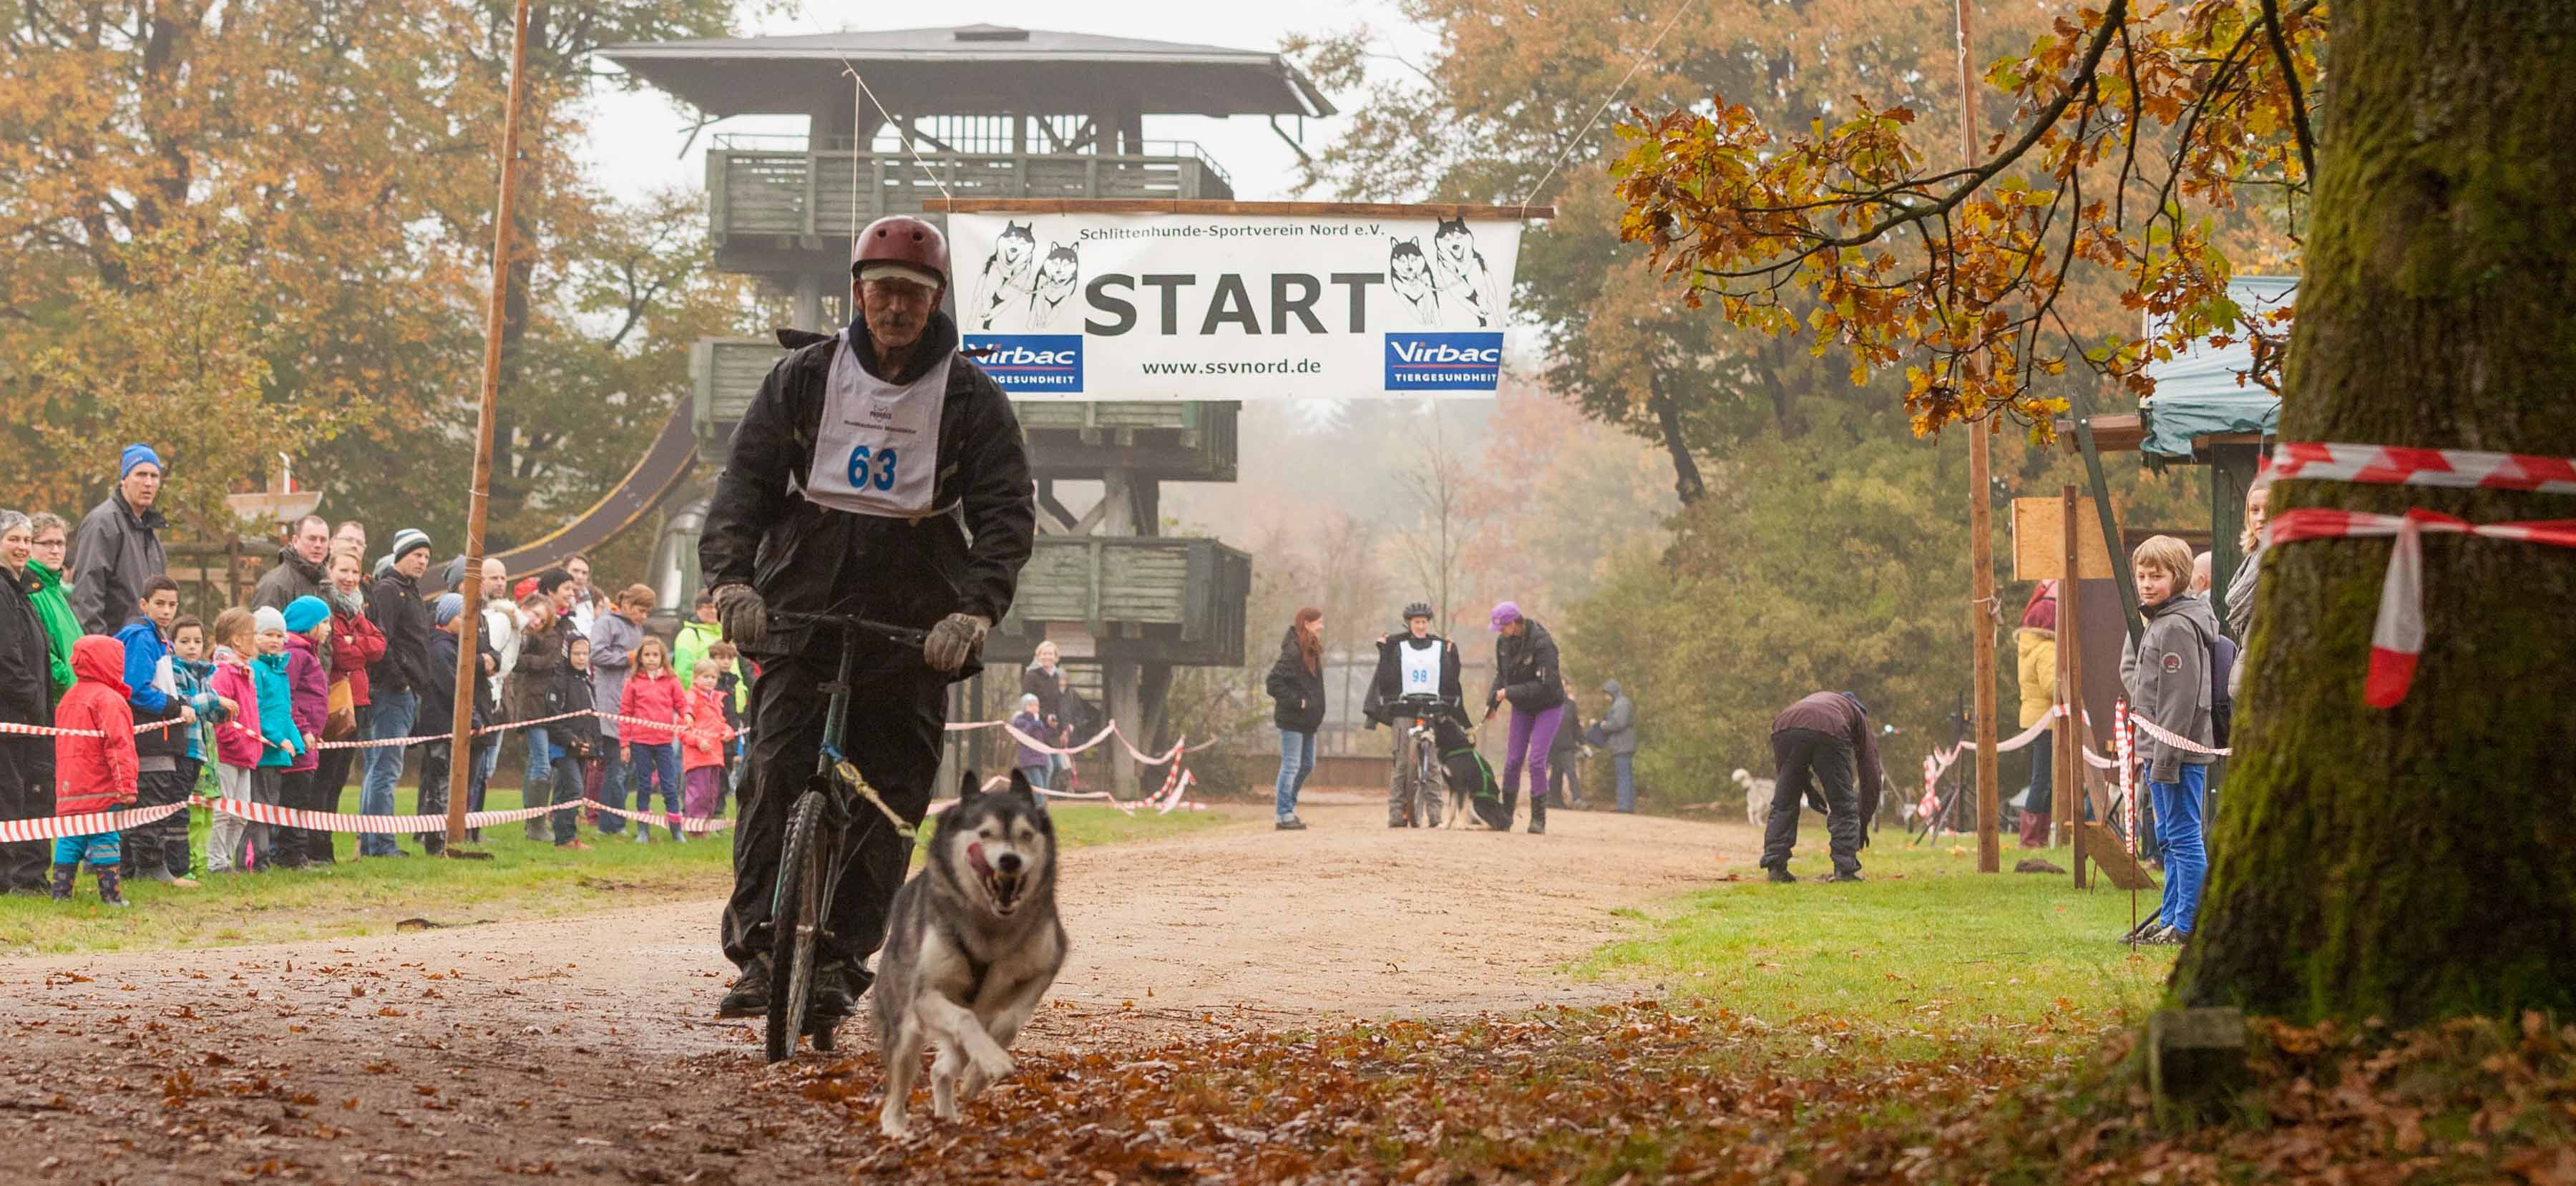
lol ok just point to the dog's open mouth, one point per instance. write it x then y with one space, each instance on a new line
1003 888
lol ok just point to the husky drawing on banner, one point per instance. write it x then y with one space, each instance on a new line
1057 275
1408 272
1008 278
1459 274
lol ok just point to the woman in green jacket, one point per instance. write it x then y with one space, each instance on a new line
53 606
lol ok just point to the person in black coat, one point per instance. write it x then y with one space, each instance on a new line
26 698
438 706
1297 689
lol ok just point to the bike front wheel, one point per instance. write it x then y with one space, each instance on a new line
797 917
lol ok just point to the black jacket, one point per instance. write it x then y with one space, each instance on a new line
113 552
1048 687
1525 669
292 578
1388 683
438 695
803 558
1299 693
26 696
396 609
1840 717
574 693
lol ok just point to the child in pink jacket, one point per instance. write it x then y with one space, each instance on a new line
650 750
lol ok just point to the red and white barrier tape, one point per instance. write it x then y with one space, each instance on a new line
50 731
2175 740
2391 465
57 826
2397 639
2120 721
686 823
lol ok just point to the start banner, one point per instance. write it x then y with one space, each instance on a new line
1191 304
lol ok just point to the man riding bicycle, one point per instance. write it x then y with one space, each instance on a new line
1416 670
878 474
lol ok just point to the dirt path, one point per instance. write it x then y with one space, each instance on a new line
586 1048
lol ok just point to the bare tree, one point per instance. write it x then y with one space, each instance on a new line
1445 518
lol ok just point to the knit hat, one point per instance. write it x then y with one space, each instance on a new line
137 455
445 609
305 613
456 574
266 618
1506 613
406 541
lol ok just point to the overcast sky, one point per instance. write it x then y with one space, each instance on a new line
636 139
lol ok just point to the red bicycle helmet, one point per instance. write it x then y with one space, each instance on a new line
902 239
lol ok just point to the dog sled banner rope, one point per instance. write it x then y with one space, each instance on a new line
2397 638
2392 465
55 827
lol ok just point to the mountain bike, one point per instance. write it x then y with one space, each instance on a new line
831 818
1414 801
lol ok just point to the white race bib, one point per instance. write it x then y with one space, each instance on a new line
877 452
1421 668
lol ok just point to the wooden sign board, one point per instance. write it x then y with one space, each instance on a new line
2039 541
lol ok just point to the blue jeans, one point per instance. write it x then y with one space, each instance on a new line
2178 834
612 785
383 765
1626 765
657 763
1296 761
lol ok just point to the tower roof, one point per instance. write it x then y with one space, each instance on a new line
973 69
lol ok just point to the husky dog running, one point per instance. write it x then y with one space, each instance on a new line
1460 272
1056 276
972 944
1757 797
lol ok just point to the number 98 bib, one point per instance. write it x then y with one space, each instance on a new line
877 452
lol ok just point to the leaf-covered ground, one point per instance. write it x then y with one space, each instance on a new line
1205 1032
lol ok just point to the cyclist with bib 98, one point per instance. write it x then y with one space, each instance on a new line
877 474
1421 668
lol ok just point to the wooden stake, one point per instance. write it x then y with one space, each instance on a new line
2071 734
1981 545
460 748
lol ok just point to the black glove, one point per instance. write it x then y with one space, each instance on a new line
742 614
953 640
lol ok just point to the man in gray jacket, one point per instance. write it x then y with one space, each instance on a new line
118 545
1619 736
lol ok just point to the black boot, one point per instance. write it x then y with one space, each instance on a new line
1538 814
107 881
61 889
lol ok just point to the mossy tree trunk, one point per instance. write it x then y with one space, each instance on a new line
2420 862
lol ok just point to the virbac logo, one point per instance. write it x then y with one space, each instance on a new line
1030 362
1444 362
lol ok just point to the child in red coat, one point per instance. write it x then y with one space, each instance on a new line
94 774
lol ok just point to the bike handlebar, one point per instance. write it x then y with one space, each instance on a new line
888 631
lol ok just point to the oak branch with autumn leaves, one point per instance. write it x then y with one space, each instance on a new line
2147 154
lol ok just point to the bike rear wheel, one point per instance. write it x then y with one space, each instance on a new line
798 915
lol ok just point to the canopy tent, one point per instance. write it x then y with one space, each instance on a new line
2205 391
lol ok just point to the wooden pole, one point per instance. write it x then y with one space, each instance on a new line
1981 545
460 748
2071 739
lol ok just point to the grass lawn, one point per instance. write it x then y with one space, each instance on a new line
1927 948
523 880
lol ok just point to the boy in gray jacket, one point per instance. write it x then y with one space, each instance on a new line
2167 678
